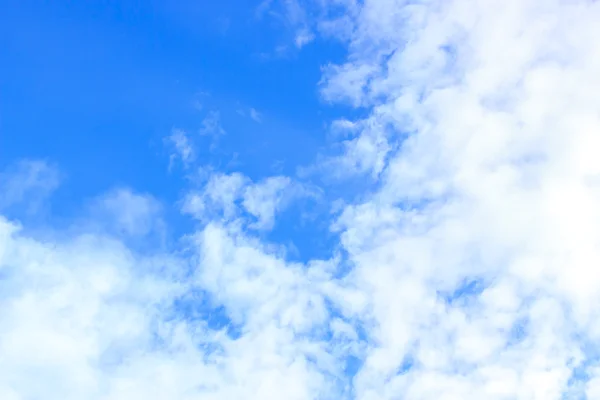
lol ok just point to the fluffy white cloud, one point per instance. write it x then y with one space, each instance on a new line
494 182
72 311
85 317
236 199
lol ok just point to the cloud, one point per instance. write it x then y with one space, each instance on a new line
303 37
251 112
72 310
218 196
293 15
182 148
255 115
364 148
235 199
27 183
125 212
265 198
211 124
489 186
90 318
200 99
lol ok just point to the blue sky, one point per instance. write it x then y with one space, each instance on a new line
299 199
113 80
96 88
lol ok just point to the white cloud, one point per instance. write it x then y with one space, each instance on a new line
303 37
90 319
236 199
200 99
218 196
255 115
493 108
264 199
29 182
251 112
123 211
293 15
183 148
211 124
71 310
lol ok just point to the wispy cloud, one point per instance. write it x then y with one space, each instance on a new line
122 211
199 100
211 124
251 112
236 199
27 183
255 115
293 16
182 148
303 37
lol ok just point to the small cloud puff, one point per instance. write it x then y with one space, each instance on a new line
126 212
182 148
234 197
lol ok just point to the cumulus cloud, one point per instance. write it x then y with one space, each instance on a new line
89 318
479 254
235 198
264 199
71 311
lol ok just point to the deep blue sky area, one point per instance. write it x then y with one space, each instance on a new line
96 86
